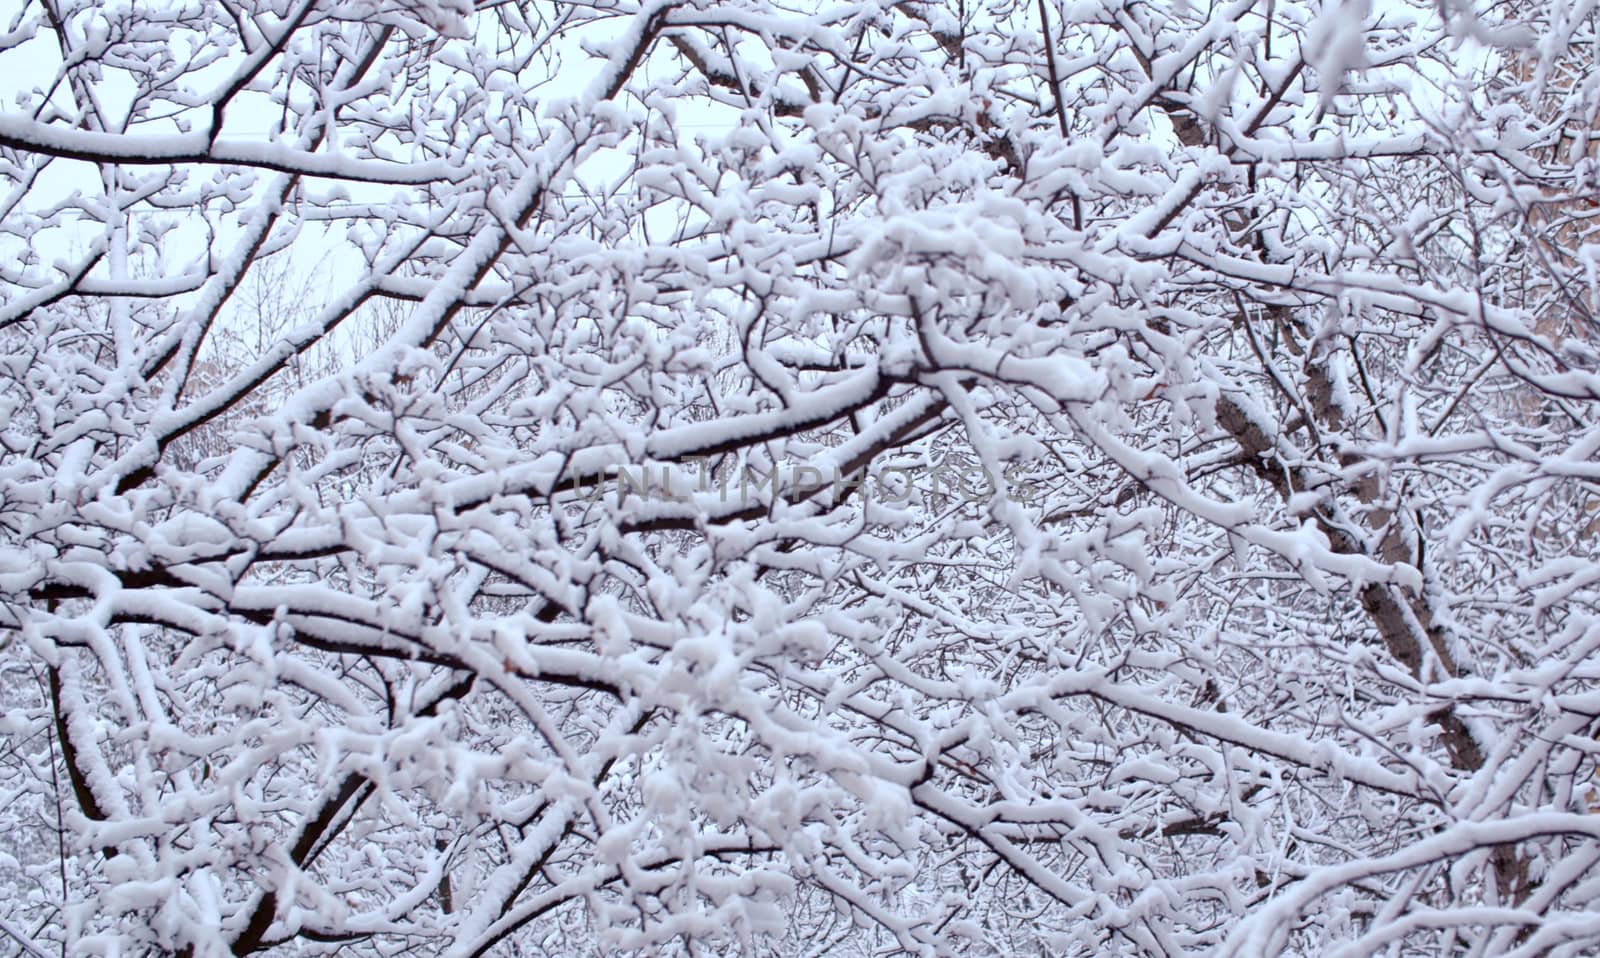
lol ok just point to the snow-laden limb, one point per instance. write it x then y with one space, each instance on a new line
751 478
51 140
1267 930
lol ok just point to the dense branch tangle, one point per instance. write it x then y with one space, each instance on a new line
420 526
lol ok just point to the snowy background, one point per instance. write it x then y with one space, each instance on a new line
1266 331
